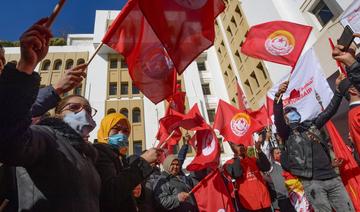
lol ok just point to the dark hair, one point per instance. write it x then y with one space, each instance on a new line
65 100
289 108
273 150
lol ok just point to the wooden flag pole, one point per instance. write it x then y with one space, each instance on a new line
93 55
167 139
55 13
287 81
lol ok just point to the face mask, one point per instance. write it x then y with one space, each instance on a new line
81 122
119 140
294 117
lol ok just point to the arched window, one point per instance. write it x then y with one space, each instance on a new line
111 110
125 112
80 61
69 64
57 64
45 65
136 115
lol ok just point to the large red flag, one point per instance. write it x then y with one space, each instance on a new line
193 120
235 125
211 194
241 98
150 66
349 171
186 28
207 150
276 41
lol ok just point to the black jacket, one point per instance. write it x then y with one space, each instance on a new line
61 176
354 74
118 179
168 187
297 154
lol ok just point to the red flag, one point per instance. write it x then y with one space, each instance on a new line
211 194
241 98
177 101
193 120
235 125
186 28
277 41
349 171
150 66
207 150
261 115
168 124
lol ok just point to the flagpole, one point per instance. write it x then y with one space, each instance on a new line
93 55
55 13
167 139
288 80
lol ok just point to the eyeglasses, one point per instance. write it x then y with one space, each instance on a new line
77 107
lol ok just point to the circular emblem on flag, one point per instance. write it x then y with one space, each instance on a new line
221 210
208 145
155 62
192 4
280 43
240 124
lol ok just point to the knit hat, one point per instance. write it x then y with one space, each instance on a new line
167 162
107 123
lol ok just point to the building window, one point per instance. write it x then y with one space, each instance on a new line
57 64
69 64
112 88
233 21
221 144
229 32
80 61
238 12
233 100
261 68
46 65
125 112
137 145
135 90
206 89
136 115
110 111
123 63
201 66
124 88
323 13
253 75
237 54
211 114
77 90
113 64
247 83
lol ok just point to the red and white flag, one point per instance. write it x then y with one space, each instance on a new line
185 27
235 125
307 78
207 150
177 101
211 194
351 17
150 66
169 124
276 41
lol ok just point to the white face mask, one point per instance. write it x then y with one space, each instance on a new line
81 122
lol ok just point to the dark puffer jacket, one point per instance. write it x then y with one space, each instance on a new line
297 157
354 74
58 162
168 187
119 178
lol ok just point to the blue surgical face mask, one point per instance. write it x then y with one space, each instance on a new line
294 117
81 122
119 140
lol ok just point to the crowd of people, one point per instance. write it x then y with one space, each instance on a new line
49 164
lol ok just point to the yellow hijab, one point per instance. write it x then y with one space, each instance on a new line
107 123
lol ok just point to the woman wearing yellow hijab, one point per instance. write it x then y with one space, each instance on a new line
119 176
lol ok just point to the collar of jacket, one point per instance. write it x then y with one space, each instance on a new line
72 136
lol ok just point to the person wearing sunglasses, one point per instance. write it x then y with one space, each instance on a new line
58 162
120 174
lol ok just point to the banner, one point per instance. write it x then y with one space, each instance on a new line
351 17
